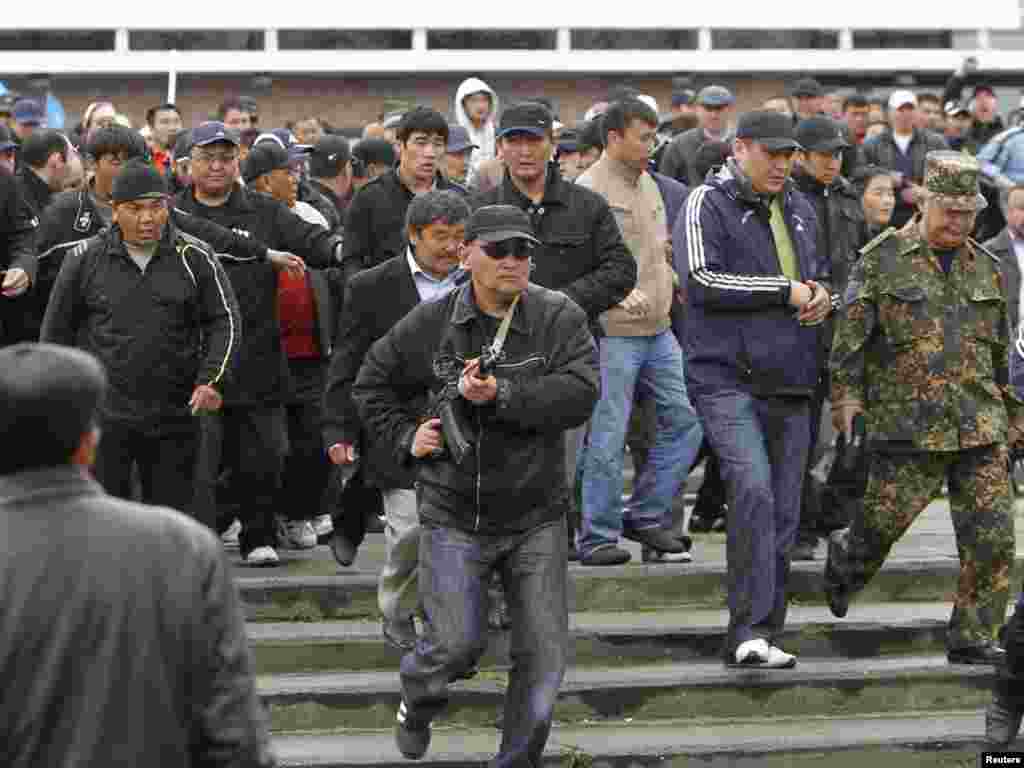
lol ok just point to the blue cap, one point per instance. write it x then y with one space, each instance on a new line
7 141
212 133
29 112
715 96
458 140
527 117
284 139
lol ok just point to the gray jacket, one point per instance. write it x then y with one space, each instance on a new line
677 161
1009 270
122 640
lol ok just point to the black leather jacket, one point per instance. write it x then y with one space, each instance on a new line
547 383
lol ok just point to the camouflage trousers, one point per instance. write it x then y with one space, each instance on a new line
899 488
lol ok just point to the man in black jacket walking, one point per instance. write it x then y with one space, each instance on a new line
377 299
156 308
252 422
496 509
17 259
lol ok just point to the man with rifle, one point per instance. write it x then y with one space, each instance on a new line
505 367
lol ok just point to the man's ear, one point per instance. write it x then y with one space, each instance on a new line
85 453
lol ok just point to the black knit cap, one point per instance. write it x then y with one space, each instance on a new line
263 158
136 180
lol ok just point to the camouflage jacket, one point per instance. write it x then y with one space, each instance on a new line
925 352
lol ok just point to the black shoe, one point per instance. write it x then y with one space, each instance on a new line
606 555
1002 720
655 538
836 593
401 633
803 550
574 555
412 739
990 653
685 540
344 551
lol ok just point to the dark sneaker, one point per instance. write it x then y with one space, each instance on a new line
836 593
574 554
401 633
803 550
655 538
498 617
412 739
344 551
990 654
649 555
606 555
1002 720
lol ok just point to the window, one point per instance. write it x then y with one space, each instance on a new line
196 40
898 38
492 39
755 39
344 39
634 39
57 40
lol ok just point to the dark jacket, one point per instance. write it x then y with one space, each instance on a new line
1009 270
882 151
375 221
122 639
582 252
158 333
677 159
17 251
325 201
548 383
72 218
981 133
36 192
375 300
261 375
740 331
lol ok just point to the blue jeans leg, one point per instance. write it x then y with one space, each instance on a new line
621 359
677 438
762 445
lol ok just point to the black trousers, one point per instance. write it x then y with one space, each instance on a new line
306 467
165 457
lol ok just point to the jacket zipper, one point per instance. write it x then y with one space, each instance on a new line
479 453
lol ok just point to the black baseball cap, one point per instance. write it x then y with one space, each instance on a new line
527 117
264 158
497 223
807 86
182 145
138 179
379 151
329 156
212 133
820 134
772 129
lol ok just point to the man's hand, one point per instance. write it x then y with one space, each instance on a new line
342 453
428 440
800 294
474 389
636 303
280 260
817 309
842 416
15 282
205 398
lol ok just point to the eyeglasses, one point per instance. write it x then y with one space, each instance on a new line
518 247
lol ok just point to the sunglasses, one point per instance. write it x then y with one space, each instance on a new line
519 248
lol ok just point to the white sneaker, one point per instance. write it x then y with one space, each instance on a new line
262 556
296 534
323 525
230 537
758 653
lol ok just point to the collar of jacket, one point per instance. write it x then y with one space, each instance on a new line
115 241
238 200
67 479
465 309
556 189
40 189
440 182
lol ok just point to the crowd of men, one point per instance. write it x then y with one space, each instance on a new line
460 323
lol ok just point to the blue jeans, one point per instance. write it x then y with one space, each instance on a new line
654 364
454 576
762 446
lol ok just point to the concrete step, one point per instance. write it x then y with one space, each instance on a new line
879 629
896 740
633 587
825 686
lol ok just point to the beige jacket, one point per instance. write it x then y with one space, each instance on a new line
640 213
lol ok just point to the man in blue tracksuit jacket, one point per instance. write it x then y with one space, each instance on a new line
756 290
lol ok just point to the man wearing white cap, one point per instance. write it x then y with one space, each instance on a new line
903 149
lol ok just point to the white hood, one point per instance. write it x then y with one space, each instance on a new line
483 136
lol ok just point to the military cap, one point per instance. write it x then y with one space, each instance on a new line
951 179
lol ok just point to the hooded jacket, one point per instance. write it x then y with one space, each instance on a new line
484 136
740 331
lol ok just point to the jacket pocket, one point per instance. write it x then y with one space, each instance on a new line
904 315
983 334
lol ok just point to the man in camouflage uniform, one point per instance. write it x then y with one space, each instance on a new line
922 352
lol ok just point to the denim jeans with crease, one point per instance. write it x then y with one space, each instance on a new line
455 572
654 365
